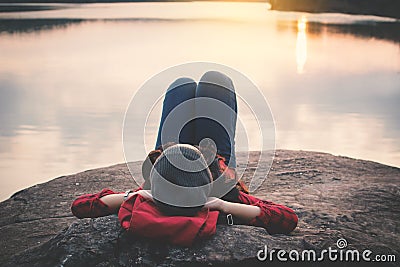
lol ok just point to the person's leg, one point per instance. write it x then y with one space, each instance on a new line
178 92
220 126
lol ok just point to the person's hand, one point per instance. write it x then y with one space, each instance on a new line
144 193
214 203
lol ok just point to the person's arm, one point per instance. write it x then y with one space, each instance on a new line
244 212
104 203
275 218
114 201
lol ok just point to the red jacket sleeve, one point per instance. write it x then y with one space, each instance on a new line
275 218
91 205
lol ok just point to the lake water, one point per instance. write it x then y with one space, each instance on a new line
67 75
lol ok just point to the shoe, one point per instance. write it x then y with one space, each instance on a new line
90 205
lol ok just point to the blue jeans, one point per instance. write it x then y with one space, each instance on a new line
212 85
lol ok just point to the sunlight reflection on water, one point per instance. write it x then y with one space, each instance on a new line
301 44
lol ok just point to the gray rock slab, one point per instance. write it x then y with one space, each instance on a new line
334 197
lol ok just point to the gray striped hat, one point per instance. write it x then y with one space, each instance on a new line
180 177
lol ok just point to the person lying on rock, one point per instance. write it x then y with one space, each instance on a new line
190 178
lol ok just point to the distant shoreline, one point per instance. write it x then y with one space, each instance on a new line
383 8
41 5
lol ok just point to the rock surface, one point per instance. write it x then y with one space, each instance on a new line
334 197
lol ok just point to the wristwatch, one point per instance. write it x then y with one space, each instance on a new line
229 218
126 195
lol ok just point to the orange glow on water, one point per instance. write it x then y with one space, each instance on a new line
301 44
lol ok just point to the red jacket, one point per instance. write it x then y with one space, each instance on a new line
275 218
141 217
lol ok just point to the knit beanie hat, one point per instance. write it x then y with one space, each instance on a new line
180 177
